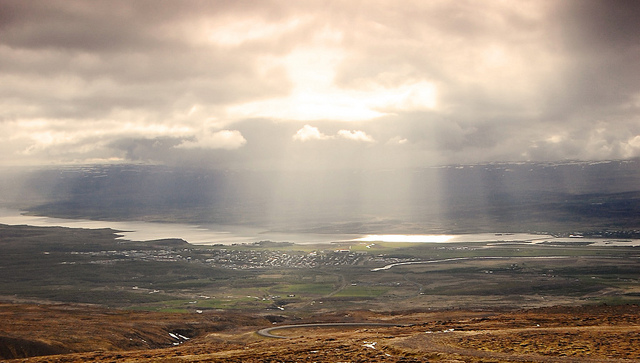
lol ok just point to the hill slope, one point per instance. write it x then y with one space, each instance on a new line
557 334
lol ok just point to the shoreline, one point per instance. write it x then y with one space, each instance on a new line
204 235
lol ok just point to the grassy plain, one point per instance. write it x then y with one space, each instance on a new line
92 266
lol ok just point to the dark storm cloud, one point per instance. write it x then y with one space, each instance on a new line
593 26
120 54
600 38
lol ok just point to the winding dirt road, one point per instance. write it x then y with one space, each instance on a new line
266 332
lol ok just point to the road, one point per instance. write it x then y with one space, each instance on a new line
266 332
456 259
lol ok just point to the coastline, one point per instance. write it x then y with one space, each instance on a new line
228 235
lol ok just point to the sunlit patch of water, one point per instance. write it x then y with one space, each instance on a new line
428 238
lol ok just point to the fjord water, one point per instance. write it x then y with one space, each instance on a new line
226 235
147 231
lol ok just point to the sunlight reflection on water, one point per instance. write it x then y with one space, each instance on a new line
404 238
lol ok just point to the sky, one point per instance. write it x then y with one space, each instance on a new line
318 84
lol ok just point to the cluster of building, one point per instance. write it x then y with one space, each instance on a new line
252 259
242 259
108 257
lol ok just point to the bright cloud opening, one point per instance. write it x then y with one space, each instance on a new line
314 96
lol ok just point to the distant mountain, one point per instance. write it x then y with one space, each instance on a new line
555 197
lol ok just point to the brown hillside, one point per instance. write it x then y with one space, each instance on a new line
557 334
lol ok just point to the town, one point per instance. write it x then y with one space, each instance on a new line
243 259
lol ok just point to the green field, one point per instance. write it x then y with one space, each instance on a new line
311 289
362 291
91 266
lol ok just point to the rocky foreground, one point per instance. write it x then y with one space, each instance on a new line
72 333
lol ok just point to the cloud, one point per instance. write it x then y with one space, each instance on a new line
397 140
355 135
308 132
225 139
